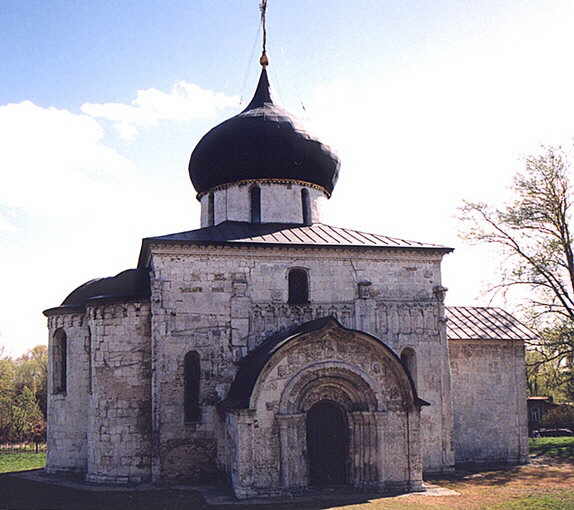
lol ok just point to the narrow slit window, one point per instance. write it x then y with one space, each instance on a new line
255 201
408 357
306 206
298 287
191 375
89 353
60 362
210 210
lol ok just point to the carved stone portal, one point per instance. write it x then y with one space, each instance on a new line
358 380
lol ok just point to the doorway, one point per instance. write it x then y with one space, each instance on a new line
327 444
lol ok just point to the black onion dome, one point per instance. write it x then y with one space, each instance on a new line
262 142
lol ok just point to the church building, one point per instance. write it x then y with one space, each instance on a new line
276 353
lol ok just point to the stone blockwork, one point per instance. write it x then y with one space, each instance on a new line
68 411
101 425
122 418
224 301
360 375
280 203
489 396
120 406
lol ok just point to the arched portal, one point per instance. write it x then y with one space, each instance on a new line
327 444
300 384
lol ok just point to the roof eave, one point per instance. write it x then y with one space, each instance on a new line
58 310
142 261
488 339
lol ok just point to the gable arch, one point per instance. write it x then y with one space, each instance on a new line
258 366
279 384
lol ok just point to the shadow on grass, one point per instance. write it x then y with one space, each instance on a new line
18 493
530 474
558 448
22 494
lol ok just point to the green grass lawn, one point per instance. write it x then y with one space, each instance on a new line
562 501
21 461
560 448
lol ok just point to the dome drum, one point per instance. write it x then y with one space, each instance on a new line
278 202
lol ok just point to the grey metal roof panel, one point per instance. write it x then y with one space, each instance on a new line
318 234
484 323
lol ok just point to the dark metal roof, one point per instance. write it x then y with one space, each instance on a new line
262 142
127 285
484 323
290 234
251 365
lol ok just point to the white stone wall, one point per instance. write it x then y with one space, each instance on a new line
280 203
101 426
119 432
489 401
222 302
68 412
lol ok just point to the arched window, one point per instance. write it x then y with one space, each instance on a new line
210 209
60 362
408 357
191 378
255 204
305 204
298 287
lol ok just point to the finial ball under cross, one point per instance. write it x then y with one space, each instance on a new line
264 61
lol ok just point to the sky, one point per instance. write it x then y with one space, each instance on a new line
101 104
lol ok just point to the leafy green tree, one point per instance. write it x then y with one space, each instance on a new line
532 232
25 416
7 395
32 371
23 392
559 417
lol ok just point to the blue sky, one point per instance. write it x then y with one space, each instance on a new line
102 102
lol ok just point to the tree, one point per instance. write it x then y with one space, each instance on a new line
533 234
23 392
559 417
7 395
32 371
25 416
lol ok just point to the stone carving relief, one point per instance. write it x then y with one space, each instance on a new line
416 321
268 318
332 351
358 375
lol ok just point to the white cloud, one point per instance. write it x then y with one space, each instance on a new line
186 101
453 125
6 225
73 208
56 174
53 158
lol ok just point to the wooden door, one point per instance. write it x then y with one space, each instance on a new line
327 444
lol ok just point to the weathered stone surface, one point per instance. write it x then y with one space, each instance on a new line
122 419
489 394
280 202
